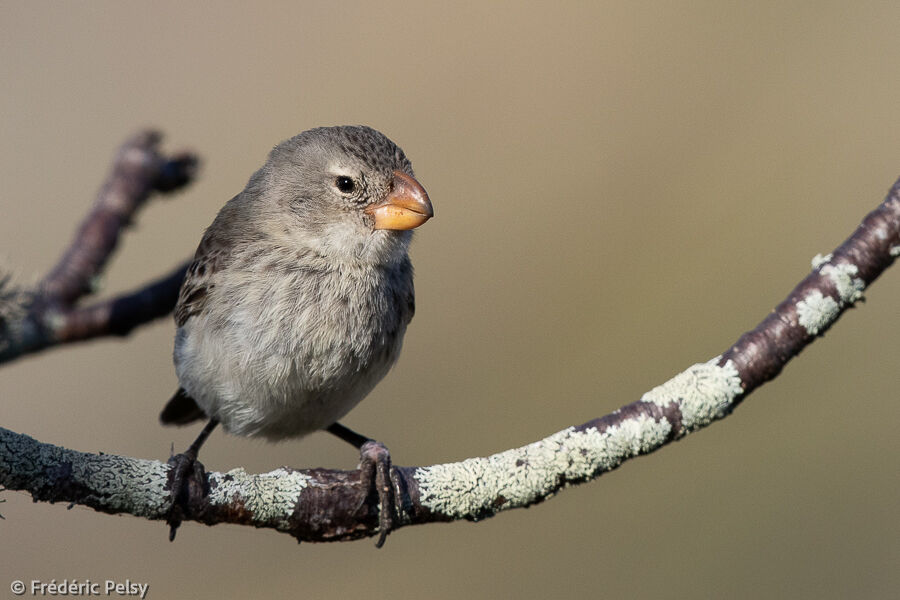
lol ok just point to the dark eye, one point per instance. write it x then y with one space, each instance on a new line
345 184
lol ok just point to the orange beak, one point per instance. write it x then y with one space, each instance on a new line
406 207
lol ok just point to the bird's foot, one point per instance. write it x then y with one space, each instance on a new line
186 473
375 467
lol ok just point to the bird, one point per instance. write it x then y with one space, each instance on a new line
297 300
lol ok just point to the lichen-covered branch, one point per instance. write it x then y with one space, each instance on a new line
35 319
329 505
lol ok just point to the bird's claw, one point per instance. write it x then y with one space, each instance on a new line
186 469
376 472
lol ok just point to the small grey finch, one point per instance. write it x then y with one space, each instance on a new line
298 297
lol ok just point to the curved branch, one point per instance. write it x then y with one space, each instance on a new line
329 505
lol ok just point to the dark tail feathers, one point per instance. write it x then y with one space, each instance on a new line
181 410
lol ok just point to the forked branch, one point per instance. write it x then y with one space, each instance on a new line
49 315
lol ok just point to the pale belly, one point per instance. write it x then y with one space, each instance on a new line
278 379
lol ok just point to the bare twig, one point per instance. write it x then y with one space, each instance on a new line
120 315
48 315
328 505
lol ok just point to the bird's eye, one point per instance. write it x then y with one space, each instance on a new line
345 184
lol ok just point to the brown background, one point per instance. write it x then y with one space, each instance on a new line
621 190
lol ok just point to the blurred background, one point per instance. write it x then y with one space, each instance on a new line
621 189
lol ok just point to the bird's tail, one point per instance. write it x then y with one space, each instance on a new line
181 410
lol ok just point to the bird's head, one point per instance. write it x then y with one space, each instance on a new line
348 192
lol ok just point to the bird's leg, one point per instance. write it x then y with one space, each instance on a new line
375 470
180 483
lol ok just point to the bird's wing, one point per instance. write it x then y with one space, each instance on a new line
213 254
410 304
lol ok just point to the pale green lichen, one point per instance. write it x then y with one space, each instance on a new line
820 259
122 481
479 487
104 481
817 311
270 497
849 288
703 392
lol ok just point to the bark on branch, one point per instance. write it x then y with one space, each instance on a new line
329 505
